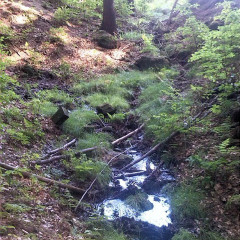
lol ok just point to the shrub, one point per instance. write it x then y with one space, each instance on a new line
78 119
186 203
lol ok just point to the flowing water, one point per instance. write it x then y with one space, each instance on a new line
158 217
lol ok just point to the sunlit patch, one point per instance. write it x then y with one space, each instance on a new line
118 54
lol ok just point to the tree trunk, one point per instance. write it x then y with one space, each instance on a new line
109 18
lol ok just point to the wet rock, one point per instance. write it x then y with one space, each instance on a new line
121 161
105 109
29 71
148 61
154 183
105 40
143 230
131 190
215 24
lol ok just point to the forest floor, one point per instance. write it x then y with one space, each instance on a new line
60 55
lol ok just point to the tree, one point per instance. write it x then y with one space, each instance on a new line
109 17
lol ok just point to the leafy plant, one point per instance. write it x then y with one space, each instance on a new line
222 61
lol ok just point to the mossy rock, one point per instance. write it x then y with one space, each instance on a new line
105 109
139 202
148 61
105 40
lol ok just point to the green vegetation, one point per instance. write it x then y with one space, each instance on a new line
78 119
94 139
87 170
139 201
183 234
186 203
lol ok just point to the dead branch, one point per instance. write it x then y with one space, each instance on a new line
85 151
61 148
43 179
161 144
51 159
128 135
133 174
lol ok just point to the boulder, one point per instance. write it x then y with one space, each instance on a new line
105 109
105 40
154 183
148 61
60 116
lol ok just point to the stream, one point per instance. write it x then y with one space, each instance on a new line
151 223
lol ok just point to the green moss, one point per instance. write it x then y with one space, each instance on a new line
101 229
78 119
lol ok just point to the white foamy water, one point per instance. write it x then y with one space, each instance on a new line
158 216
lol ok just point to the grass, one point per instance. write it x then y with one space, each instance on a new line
94 139
79 119
99 99
55 96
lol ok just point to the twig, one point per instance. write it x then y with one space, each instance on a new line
43 179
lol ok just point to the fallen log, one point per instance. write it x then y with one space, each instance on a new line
85 151
51 159
128 135
161 144
133 174
61 148
43 179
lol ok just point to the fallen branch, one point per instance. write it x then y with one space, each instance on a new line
85 150
161 144
43 179
128 135
51 159
61 148
130 174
